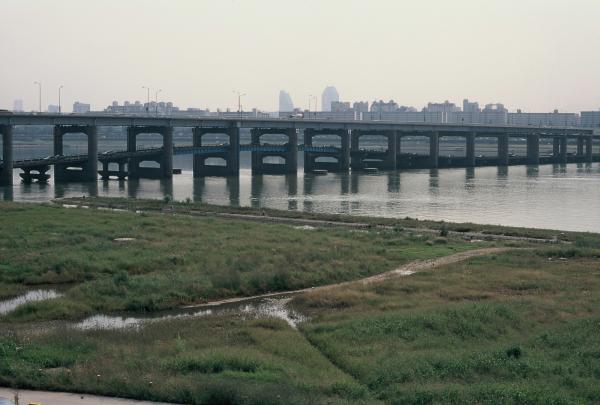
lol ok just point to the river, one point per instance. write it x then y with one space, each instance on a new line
545 196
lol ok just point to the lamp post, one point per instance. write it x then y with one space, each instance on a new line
240 94
310 97
40 94
316 106
156 99
148 98
59 105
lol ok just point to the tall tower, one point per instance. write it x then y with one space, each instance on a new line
285 102
329 94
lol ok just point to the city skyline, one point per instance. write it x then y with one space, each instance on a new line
530 57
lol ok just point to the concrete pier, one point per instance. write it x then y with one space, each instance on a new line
434 149
533 149
580 144
589 156
288 151
556 149
86 171
383 160
503 158
164 158
6 172
470 152
342 155
562 158
229 153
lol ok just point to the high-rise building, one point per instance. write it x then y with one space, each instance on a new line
360 106
18 105
470 107
340 106
329 94
444 107
285 101
382 106
590 119
80 108
52 108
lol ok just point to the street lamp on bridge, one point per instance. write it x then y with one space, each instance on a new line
156 99
40 94
240 94
59 105
148 98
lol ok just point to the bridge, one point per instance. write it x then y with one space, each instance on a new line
348 156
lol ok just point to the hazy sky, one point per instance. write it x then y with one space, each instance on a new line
536 55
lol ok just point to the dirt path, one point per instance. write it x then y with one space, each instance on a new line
404 270
63 398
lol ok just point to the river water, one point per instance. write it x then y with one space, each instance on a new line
546 196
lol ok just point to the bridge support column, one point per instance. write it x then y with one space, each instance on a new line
167 154
503 150
88 169
355 161
6 172
291 160
470 155
289 152
309 164
556 149
563 150
345 157
231 156
434 150
589 157
580 143
533 149
163 157
398 149
390 159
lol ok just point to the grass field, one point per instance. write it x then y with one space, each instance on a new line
515 327
177 260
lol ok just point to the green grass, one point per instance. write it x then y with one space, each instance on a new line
217 360
178 260
521 327
512 328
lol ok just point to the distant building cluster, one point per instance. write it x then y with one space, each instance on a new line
434 112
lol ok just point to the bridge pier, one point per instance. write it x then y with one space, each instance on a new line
120 173
6 171
434 150
580 143
562 158
503 158
342 155
556 149
388 158
533 149
231 155
470 152
589 157
164 158
289 152
86 171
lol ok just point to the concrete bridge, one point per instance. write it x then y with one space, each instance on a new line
348 156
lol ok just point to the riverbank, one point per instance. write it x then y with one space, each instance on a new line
434 320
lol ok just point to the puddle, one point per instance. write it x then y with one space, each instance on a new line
305 227
123 239
405 272
259 308
32 296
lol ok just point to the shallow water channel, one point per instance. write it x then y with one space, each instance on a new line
253 308
31 296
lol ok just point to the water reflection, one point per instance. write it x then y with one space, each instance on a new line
250 309
32 296
518 196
